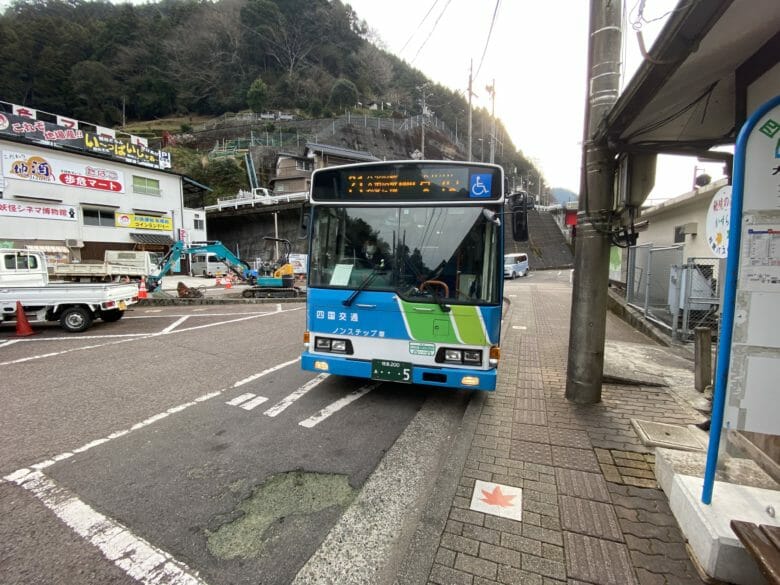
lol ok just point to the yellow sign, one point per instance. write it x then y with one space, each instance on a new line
143 222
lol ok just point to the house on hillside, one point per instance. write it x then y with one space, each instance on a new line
293 172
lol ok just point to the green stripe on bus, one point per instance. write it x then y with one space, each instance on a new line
469 324
426 325
422 324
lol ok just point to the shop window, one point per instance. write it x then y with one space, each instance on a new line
146 186
102 217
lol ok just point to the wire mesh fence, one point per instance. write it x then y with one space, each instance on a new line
678 295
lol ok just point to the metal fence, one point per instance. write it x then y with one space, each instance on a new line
677 295
296 133
696 296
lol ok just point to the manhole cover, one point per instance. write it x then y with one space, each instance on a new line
656 434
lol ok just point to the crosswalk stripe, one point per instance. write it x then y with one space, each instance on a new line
338 405
239 399
288 400
257 401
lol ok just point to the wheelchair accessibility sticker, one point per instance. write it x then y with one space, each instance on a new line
480 185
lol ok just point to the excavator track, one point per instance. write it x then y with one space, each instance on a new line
263 292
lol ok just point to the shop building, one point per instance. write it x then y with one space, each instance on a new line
86 193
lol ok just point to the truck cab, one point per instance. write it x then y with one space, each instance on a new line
21 268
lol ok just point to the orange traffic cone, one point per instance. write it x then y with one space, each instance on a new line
142 292
23 328
229 282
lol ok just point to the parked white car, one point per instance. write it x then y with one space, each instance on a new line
515 265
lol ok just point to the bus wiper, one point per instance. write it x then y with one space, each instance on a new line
362 286
440 301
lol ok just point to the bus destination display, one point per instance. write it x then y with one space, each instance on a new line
445 181
420 182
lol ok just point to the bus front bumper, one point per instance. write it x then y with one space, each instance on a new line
443 377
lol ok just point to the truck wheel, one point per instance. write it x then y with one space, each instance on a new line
75 319
111 315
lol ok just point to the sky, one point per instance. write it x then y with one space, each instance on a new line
537 55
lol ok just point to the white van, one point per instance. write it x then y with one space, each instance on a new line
515 265
208 265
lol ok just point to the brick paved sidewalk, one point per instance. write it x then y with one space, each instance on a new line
591 511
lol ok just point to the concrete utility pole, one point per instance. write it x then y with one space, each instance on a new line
591 256
422 88
491 89
468 150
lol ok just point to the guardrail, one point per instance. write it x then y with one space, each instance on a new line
252 199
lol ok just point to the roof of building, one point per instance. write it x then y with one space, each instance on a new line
356 155
158 239
691 91
704 193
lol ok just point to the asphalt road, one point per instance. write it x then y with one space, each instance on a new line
185 445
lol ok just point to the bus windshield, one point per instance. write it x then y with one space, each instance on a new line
423 254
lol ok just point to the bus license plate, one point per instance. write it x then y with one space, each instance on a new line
391 371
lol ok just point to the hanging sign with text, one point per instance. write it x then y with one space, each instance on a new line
26 166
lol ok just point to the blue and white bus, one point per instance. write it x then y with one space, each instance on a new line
405 277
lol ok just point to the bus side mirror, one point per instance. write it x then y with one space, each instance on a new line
519 223
304 221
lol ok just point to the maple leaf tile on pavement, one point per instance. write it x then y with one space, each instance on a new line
497 500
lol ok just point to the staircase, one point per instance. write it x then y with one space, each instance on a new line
546 247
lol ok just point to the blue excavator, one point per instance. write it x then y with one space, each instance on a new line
277 280
237 266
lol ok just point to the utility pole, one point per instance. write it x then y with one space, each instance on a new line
468 149
591 253
422 125
491 89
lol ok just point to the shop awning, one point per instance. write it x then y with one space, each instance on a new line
49 249
156 239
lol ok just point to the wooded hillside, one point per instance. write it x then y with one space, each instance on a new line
108 64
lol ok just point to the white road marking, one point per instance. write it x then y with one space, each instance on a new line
8 342
338 405
153 311
521 327
174 325
254 377
255 402
135 556
134 338
279 407
239 399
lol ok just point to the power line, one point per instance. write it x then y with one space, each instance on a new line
430 33
435 2
487 42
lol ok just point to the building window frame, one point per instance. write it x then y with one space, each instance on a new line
199 224
146 186
97 217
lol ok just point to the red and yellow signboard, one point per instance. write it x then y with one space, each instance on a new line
143 222
26 166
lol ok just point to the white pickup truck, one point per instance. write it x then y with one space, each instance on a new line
116 265
24 278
